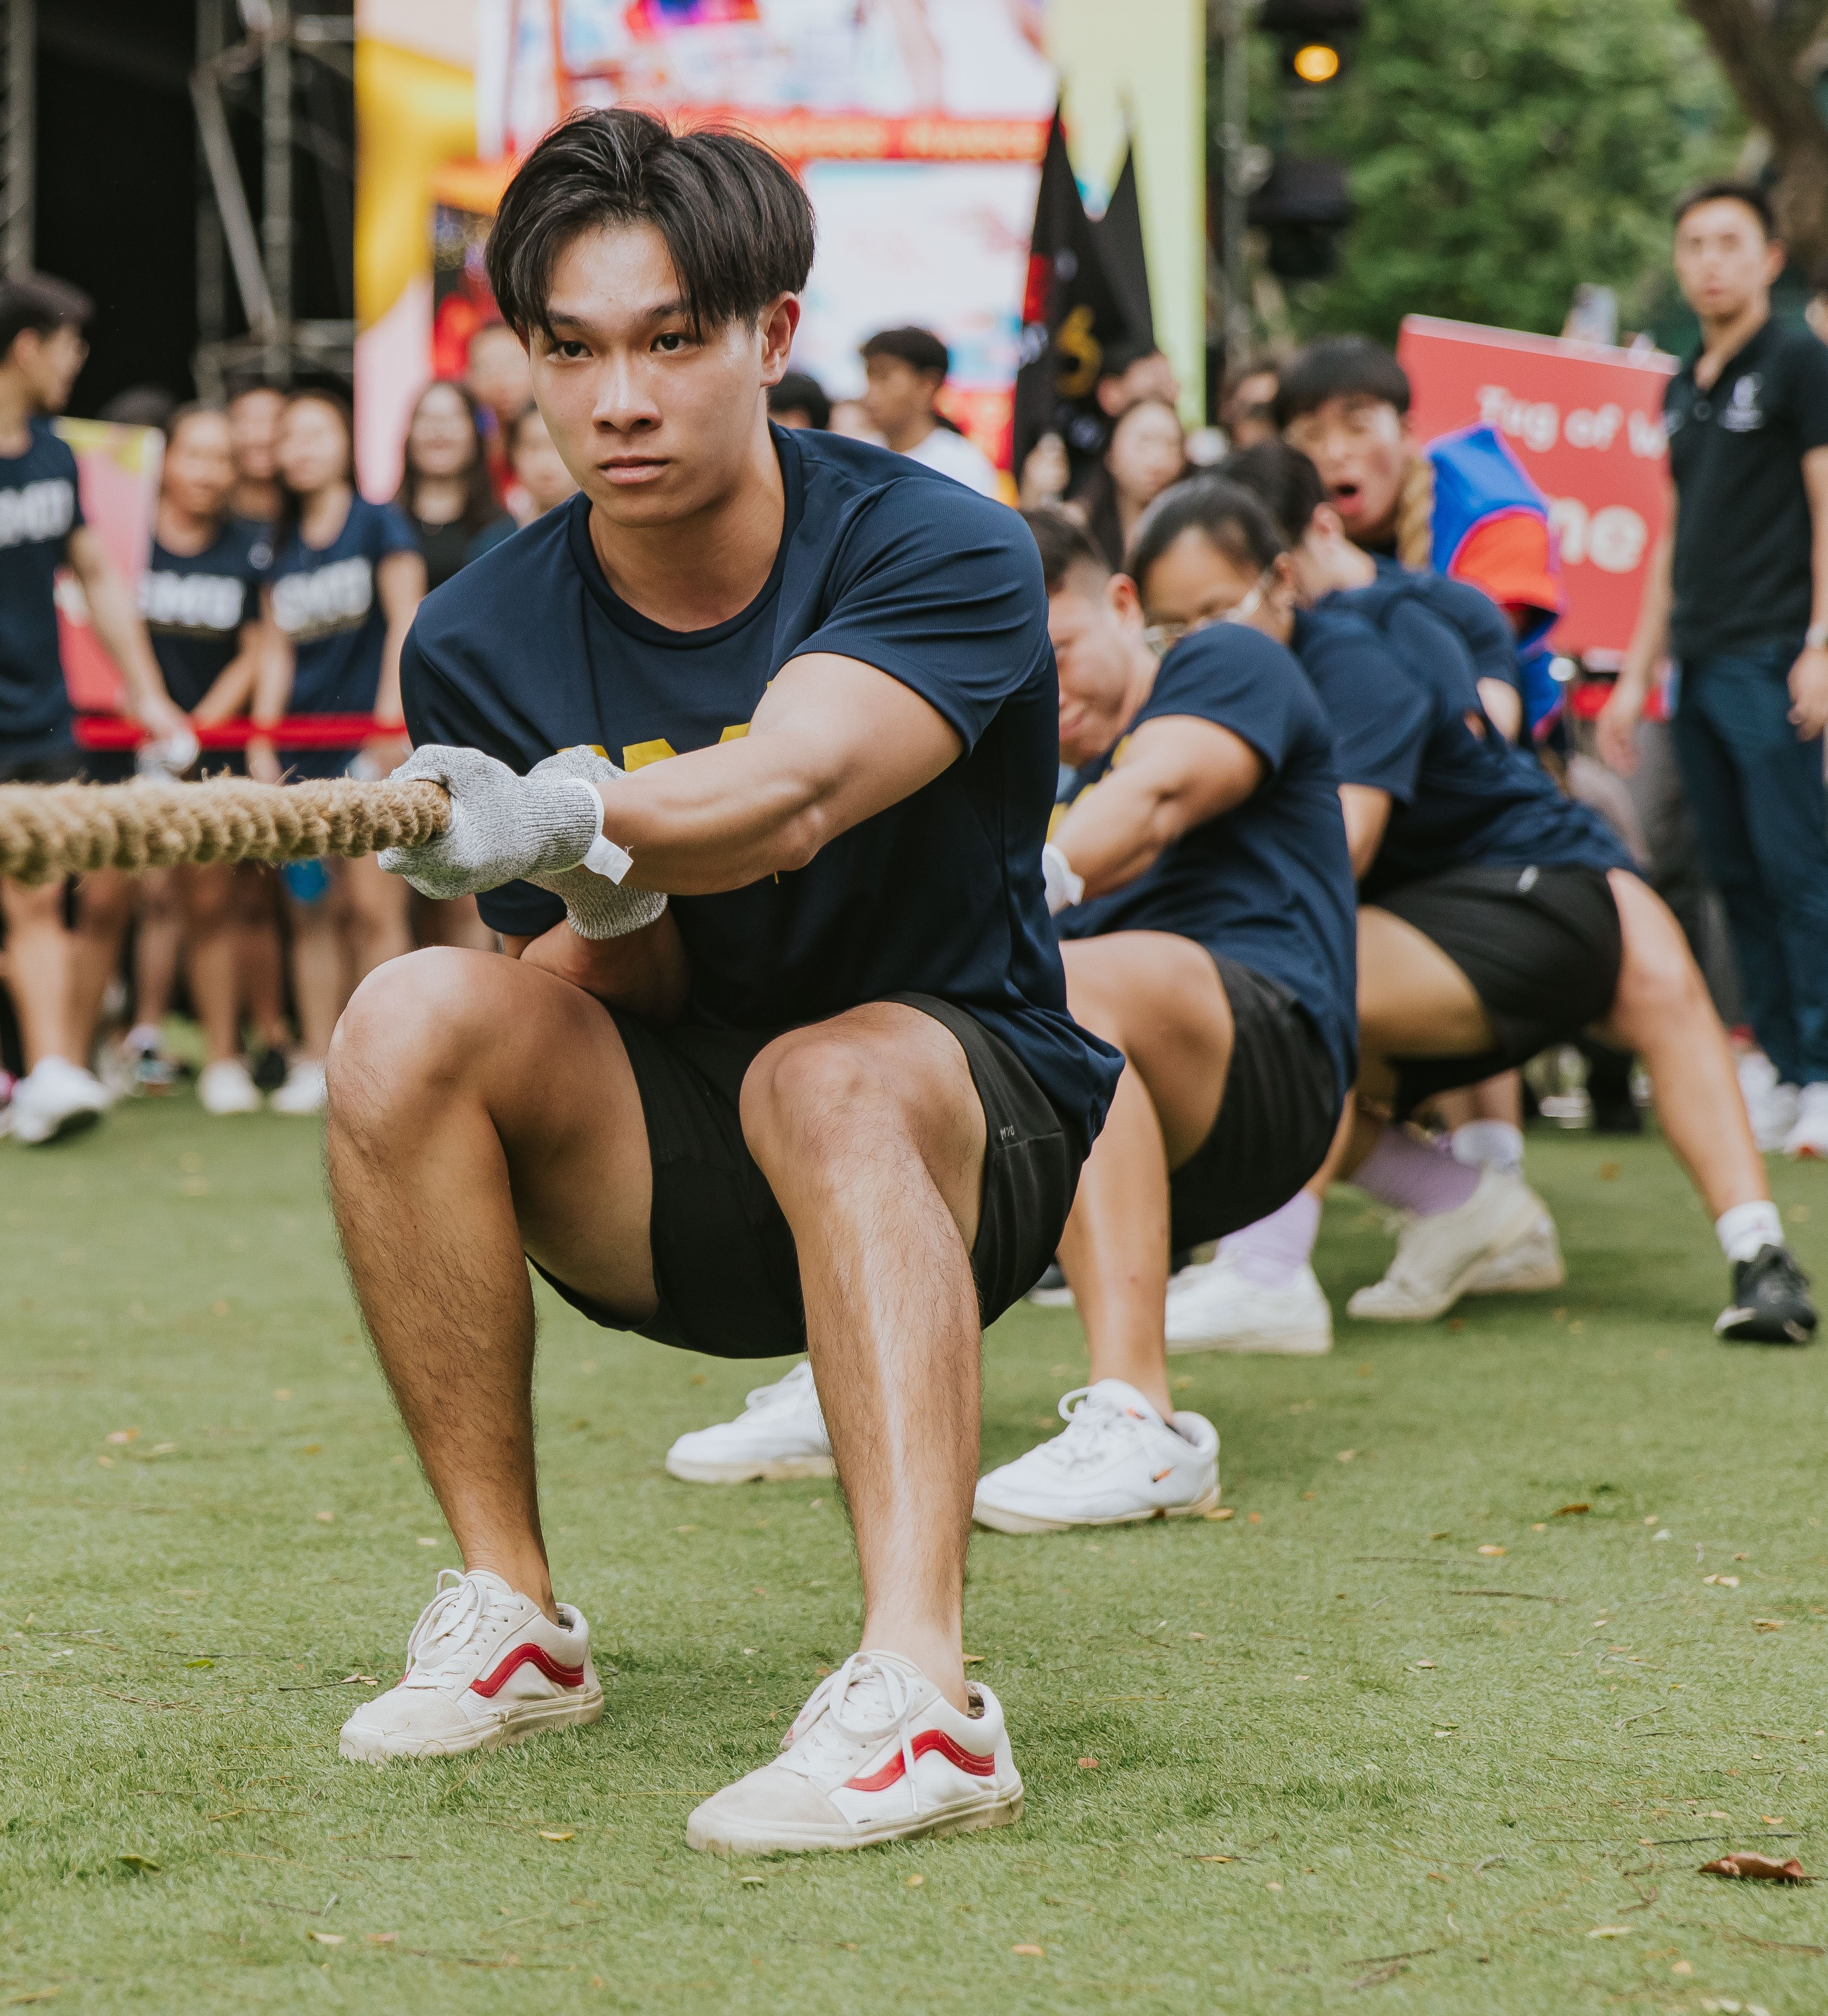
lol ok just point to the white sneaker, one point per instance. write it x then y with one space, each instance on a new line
1217 1308
304 1092
1771 1106
780 1433
1525 1267
485 1666
1807 1140
55 1099
1117 1461
1437 1256
226 1087
877 1754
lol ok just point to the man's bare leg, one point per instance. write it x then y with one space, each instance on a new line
870 1132
454 1147
104 906
1663 1010
1159 999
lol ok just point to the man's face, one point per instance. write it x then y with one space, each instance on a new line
1724 262
1151 377
1358 444
896 395
1094 624
497 372
49 365
655 422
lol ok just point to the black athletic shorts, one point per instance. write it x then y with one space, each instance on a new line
1275 1123
1542 948
724 1261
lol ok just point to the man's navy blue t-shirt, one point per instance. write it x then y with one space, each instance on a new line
1478 802
40 504
1483 627
326 601
1269 883
528 651
1379 719
196 604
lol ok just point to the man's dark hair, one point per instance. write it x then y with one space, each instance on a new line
1749 193
799 392
1228 513
1339 367
1284 481
737 226
921 347
37 302
1064 545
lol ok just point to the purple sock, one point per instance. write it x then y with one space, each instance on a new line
1406 1172
1271 1252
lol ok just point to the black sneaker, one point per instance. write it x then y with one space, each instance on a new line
268 1070
1770 1302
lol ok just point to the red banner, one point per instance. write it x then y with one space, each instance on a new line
1586 421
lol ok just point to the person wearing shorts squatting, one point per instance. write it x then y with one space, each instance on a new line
1495 918
781 1059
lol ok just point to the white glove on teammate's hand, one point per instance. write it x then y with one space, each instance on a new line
596 907
503 828
1065 888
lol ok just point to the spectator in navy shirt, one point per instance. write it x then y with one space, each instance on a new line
347 579
56 977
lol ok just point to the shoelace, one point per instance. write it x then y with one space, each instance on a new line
458 1607
784 1392
831 1698
1092 1428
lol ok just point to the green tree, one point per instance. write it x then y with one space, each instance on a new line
1498 153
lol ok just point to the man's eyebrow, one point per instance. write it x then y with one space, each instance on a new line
580 318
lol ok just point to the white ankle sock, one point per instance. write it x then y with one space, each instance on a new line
1746 1227
1490 1144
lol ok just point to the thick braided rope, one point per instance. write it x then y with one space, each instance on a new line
53 829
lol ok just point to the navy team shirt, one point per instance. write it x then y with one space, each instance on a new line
1269 883
1477 801
195 606
528 651
40 505
325 601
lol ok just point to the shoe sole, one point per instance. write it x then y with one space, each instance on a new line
72 1123
1525 1282
998 1520
539 1720
1745 1327
1455 1290
1313 1343
996 1812
1050 1298
783 1469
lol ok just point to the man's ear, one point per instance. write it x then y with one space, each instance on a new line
1126 604
778 321
1327 523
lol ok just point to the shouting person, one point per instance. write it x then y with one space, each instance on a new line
805 1077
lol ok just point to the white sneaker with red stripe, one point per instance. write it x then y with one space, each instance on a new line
877 1754
1117 1462
485 1666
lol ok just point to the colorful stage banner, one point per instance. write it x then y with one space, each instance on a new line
117 469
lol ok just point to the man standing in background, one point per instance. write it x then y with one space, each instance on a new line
905 369
1738 596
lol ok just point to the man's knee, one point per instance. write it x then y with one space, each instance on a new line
417 1023
803 1096
1659 983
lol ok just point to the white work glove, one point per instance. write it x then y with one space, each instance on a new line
595 906
168 757
1065 888
503 828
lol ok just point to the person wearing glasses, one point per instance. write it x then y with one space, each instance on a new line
1202 886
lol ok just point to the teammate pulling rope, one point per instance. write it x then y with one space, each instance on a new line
54 830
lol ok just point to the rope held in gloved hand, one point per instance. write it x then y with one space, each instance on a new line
53 829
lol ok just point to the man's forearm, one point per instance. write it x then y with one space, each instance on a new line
1117 832
644 974
1650 633
117 624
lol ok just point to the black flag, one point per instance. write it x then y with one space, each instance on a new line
1119 239
1070 312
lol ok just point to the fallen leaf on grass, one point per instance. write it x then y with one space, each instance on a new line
1223 1512
1772 1820
1760 1868
1030 1953
1767 1623
1569 1511
973 1658
423 1542
1610 1933
565 1834
1724 1581
145 1862
1253 1518
1215 1857
915 1882
119 1435
1345 1456
200 1662
1424 1665
325 1938
1490 1551
326 1518
378 1939
358 1680
1609 1172
30 1995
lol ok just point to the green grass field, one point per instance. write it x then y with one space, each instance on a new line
1327 1755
